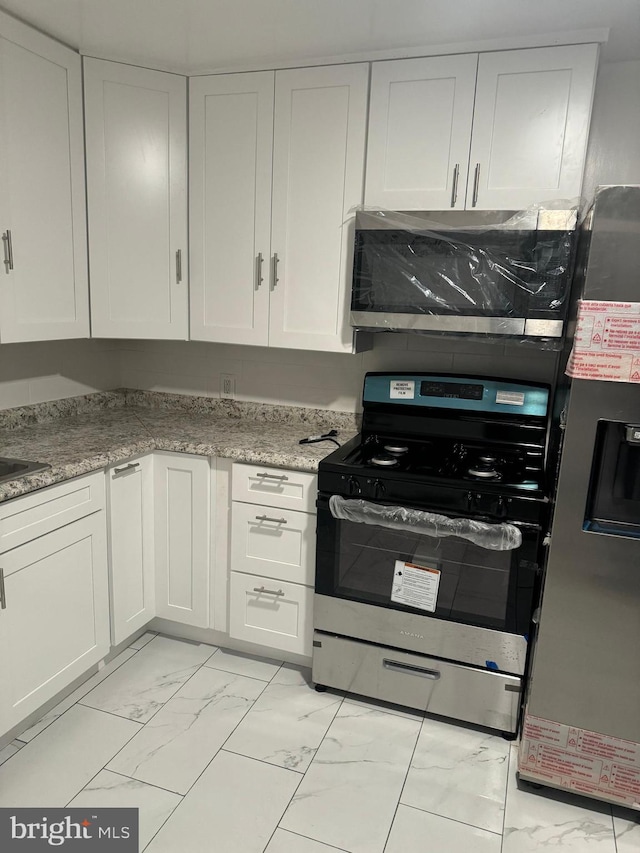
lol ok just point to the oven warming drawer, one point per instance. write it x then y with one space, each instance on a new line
466 693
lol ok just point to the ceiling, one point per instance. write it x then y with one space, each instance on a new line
196 36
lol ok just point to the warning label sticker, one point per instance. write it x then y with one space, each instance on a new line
607 342
580 760
415 586
405 390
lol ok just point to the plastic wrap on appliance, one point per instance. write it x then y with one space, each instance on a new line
494 537
482 272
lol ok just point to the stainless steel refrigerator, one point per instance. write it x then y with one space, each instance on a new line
581 727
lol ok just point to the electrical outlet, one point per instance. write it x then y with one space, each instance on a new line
227 386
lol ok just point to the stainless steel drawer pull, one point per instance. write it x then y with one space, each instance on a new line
268 591
408 669
259 278
178 266
454 186
275 520
274 271
282 477
130 467
8 251
476 182
3 594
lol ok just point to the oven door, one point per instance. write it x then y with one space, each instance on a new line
441 577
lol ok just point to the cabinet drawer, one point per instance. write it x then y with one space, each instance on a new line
469 693
271 613
275 543
275 487
33 515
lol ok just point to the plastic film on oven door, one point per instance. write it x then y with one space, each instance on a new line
495 537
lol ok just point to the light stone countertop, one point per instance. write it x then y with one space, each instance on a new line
89 433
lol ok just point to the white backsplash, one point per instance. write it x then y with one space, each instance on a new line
320 380
39 372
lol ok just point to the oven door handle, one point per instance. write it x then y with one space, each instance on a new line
526 525
409 669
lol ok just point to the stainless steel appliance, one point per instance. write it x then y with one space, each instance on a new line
431 528
492 272
582 722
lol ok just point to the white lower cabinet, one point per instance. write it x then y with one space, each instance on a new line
182 513
54 621
272 553
271 613
132 568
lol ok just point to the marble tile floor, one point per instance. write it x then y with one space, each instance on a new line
225 753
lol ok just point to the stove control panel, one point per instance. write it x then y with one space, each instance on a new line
449 392
435 499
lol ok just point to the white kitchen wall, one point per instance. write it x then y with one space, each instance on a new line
320 380
614 144
39 372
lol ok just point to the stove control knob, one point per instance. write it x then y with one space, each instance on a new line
353 486
379 490
501 507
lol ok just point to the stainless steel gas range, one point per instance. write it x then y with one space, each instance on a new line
431 527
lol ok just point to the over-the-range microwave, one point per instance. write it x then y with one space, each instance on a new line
487 272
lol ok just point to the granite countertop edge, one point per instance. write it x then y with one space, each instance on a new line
154 438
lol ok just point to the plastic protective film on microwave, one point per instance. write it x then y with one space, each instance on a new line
470 264
493 537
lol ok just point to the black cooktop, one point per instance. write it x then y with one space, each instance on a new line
449 459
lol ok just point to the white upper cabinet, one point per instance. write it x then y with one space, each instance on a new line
531 126
137 201
231 140
318 174
43 283
420 118
522 142
273 266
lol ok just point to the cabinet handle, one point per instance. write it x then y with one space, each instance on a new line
274 271
476 181
178 266
8 251
454 186
272 476
393 665
267 518
268 591
130 467
259 278
3 594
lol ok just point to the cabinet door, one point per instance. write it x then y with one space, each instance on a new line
137 201
182 501
276 543
44 293
271 613
318 171
530 126
231 143
420 119
56 622
131 547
